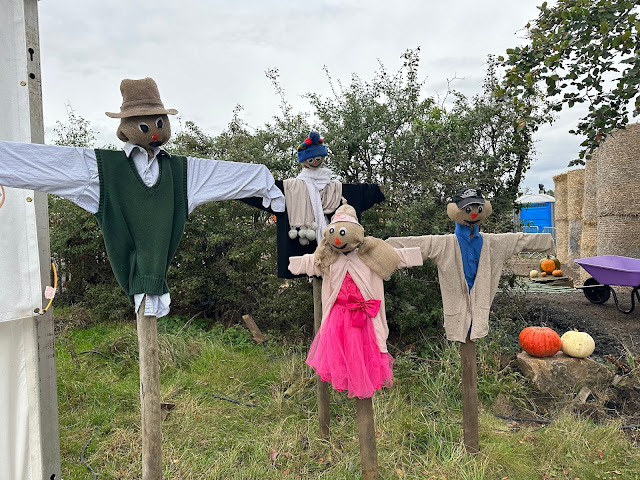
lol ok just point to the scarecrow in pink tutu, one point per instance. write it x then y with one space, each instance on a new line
350 349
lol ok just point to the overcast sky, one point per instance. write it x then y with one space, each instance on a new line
207 56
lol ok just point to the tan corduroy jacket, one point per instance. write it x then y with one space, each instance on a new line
459 305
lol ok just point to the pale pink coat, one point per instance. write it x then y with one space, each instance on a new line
370 284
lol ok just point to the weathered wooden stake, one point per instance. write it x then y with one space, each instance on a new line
367 438
321 387
150 396
469 395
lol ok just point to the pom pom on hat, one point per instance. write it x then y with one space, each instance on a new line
312 146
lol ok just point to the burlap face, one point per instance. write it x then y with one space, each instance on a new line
147 131
473 214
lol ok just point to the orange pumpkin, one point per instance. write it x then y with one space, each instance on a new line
540 341
549 264
543 274
557 273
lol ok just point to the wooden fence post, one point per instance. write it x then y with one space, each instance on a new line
322 388
469 395
151 424
367 438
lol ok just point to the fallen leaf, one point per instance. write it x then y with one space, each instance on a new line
600 453
176 461
399 472
274 455
286 472
320 460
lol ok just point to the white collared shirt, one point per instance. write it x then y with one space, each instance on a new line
72 173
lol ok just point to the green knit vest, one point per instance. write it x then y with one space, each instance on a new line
142 226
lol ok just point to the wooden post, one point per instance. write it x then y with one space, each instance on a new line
367 438
150 396
469 395
322 388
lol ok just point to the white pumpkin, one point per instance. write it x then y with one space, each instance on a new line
577 344
533 273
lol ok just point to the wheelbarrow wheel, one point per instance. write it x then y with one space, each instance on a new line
597 295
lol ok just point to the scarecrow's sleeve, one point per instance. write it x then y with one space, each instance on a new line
212 180
535 242
70 172
432 247
304 265
409 257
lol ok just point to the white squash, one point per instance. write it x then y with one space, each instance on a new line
533 273
577 344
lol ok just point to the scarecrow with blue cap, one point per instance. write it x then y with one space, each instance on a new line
469 269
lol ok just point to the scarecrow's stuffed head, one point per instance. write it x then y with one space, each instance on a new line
345 234
469 207
143 118
312 152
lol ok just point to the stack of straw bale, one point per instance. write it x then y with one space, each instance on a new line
575 201
589 242
562 220
618 198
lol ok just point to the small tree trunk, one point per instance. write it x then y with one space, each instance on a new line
321 387
150 396
469 395
367 438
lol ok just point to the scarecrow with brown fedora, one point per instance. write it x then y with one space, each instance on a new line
469 269
141 196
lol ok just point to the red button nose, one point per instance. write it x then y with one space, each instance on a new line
337 242
473 216
155 137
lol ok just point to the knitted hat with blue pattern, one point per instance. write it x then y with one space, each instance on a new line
311 147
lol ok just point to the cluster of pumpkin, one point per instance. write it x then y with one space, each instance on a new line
545 342
548 266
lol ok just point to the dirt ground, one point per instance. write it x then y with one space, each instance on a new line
563 309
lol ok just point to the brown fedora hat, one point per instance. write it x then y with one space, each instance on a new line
139 98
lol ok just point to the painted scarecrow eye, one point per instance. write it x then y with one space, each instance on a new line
331 230
479 209
467 209
159 123
144 128
343 231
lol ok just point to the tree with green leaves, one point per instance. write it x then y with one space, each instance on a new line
580 52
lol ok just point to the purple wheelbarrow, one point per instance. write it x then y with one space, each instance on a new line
607 270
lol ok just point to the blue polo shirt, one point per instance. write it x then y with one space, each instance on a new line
470 242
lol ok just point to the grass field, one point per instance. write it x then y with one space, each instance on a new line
245 411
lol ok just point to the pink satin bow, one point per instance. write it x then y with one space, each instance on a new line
361 310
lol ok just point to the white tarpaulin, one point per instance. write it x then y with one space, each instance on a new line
21 438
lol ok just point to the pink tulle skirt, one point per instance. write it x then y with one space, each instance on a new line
345 351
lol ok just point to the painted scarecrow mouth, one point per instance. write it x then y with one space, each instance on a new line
340 248
155 144
472 222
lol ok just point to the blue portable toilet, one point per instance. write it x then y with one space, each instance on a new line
537 214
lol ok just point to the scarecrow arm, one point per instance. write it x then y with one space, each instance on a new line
432 247
304 265
409 257
535 242
213 180
505 245
64 171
